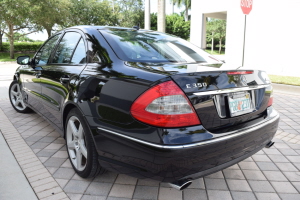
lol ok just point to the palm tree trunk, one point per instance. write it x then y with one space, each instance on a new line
186 14
161 16
220 47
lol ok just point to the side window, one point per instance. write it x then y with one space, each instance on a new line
44 53
66 47
79 55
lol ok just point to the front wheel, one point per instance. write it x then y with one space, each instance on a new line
80 146
16 98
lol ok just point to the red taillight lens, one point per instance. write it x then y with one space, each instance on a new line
239 72
164 105
270 101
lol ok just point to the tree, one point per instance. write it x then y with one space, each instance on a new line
50 12
187 4
92 12
18 37
16 16
176 25
216 29
130 13
2 28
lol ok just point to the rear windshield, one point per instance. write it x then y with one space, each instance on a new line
148 46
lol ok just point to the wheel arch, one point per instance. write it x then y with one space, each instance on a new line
69 106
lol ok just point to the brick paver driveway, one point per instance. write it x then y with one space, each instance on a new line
270 174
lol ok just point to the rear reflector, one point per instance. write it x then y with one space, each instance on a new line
164 105
239 72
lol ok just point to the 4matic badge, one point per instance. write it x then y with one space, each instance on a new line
196 85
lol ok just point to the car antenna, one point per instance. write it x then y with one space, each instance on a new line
137 27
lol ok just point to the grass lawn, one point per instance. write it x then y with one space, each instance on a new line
288 80
5 56
215 52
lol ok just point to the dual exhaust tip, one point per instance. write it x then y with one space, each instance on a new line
182 184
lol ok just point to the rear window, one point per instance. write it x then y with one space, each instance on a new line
150 46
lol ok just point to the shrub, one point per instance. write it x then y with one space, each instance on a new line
22 46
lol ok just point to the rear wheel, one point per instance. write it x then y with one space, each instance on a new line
80 146
16 98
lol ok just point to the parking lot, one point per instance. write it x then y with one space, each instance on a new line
41 153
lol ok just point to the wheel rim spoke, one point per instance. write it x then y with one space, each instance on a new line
15 94
80 132
78 159
71 145
22 103
83 150
73 128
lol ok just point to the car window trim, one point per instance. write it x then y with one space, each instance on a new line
64 33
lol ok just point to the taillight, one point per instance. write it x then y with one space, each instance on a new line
270 101
164 105
239 72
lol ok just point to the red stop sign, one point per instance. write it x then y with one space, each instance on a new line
246 6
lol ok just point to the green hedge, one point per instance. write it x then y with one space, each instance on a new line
22 46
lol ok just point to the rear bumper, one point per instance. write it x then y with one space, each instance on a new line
168 163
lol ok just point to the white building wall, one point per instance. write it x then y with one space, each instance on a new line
272 32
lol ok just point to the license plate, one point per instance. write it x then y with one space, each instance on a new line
239 103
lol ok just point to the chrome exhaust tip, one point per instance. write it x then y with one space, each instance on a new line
269 144
181 184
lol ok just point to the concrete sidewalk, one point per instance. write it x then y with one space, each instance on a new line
13 183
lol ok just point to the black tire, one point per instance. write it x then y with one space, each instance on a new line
77 138
16 98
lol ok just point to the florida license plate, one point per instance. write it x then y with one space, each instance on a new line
239 103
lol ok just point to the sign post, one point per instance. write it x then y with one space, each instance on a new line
246 6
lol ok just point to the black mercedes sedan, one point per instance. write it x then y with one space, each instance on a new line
144 103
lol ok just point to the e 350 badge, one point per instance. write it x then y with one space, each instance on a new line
196 85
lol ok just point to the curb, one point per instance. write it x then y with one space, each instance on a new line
287 89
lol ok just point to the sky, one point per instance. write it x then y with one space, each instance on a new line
153 9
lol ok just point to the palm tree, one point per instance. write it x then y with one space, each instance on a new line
187 4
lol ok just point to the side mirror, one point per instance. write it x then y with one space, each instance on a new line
23 60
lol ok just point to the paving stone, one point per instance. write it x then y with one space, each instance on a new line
62 182
261 186
64 173
248 165
267 196
67 164
267 166
148 182
46 153
39 145
243 195
296 185
215 184
283 187
261 158
217 194
218 174
233 174
294 159
290 196
145 192
288 167
108 177
60 154
54 146
47 139
238 185
75 196
117 198
292 176
194 194
119 190
99 189
75 186
288 152
54 162
124 179
92 197
169 194
254 175
274 176
77 177
278 158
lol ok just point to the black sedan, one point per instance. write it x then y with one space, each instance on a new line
144 103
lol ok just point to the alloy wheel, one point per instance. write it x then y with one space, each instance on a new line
16 97
76 143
